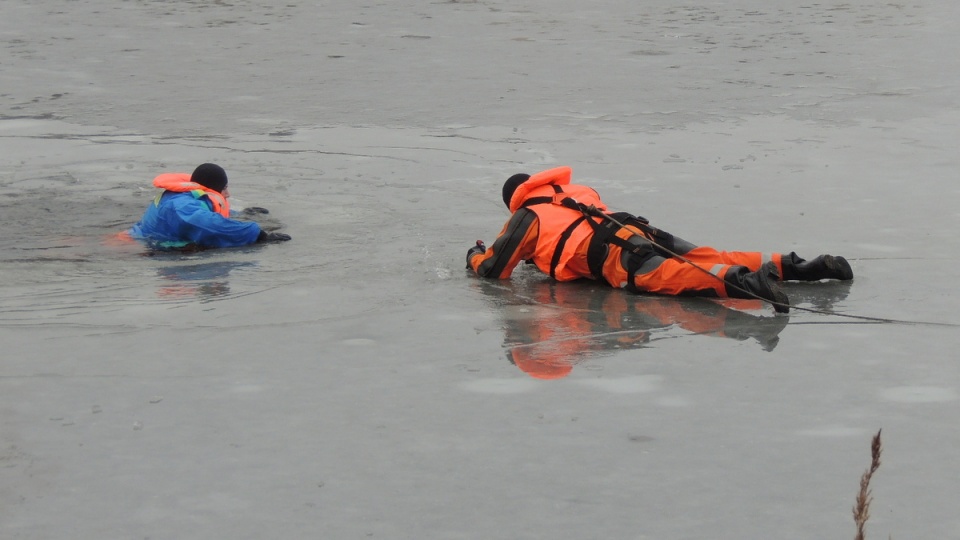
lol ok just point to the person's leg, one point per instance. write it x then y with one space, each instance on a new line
701 272
646 268
791 266
680 278
674 277
742 283
752 260
668 245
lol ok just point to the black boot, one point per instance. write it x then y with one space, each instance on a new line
742 283
823 267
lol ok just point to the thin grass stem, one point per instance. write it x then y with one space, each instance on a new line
861 510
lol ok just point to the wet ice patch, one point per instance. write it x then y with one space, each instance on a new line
880 248
443 272
500 386
676 402
641 384
818 345
919 394
245 389
832 431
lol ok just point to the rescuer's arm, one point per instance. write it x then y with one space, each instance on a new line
516 242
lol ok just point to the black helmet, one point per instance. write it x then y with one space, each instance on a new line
211 176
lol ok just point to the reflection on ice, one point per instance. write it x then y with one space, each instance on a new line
824 295
205 281
550 327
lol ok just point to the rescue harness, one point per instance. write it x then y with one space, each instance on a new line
604 234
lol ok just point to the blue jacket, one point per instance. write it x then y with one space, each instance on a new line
175 220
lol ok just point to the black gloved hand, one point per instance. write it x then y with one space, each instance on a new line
254 210
272 237
478 248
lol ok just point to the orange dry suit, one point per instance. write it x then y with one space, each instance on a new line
548 229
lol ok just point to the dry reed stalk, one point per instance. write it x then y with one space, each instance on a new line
861 510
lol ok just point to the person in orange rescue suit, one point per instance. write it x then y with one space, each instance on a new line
549 328
192 212
551 227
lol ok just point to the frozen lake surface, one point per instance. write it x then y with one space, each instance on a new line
356 382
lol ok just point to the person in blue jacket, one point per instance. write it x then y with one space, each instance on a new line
193 213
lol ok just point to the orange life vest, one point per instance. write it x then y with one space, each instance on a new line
180 183
562 229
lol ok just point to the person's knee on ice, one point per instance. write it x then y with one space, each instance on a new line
641 260
795 268
742 283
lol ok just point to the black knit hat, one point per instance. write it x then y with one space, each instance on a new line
511 185
211 176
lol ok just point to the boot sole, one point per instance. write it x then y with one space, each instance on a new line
838 267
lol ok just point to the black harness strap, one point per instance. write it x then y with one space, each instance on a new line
564 236
555 260
604 233
541 200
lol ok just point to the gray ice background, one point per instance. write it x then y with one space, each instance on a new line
355 382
